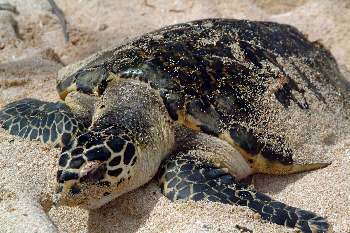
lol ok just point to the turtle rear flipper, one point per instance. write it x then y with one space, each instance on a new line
32 119
183 177
274 157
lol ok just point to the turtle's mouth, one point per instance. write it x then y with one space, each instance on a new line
81 191
71 198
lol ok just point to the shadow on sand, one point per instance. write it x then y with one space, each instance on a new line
127 213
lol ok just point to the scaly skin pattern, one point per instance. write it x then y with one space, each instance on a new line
92 162
184 177
51 123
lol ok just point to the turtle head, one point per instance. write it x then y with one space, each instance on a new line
90 81
96 168
87 75
130 134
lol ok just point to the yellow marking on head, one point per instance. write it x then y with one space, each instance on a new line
69 89
187 120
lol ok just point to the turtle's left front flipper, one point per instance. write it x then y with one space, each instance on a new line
184 177
33 119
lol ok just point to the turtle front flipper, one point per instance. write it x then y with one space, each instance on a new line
184 177
51 123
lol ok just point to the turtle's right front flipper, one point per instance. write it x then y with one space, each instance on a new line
185 177
51 123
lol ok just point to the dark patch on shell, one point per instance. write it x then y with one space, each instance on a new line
246 140
285 95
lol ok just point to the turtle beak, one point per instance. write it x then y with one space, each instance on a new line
68 197
63 94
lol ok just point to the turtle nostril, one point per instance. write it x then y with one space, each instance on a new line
58 176
59 189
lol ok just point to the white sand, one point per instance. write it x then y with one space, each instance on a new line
28 69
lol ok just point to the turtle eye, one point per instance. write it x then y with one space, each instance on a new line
96 162
74 189
91 80
95 174
102 85
87 81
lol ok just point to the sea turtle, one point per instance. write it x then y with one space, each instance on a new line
166 103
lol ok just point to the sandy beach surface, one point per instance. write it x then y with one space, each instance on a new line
32 50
